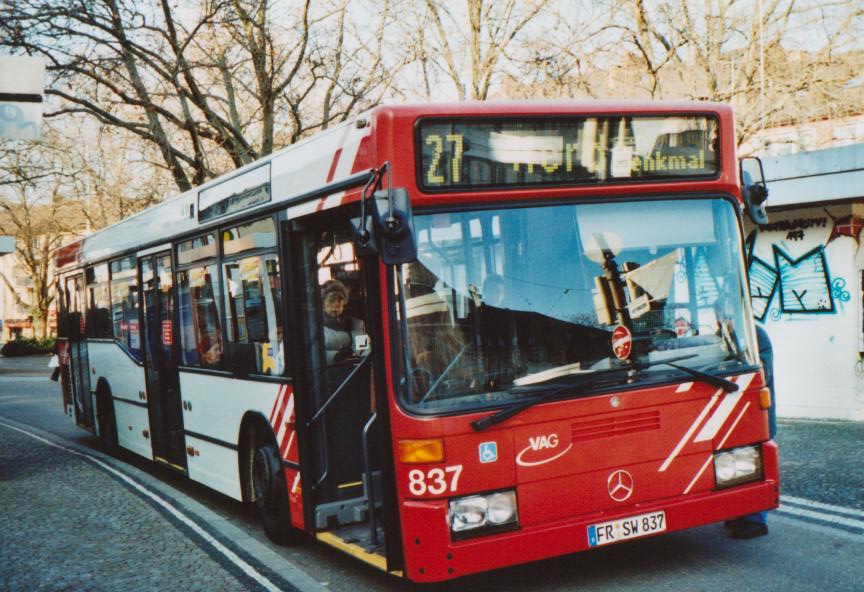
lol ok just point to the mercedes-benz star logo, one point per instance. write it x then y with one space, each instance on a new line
620 485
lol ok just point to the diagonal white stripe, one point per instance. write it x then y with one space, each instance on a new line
719 417
732 427
724 410
689 433
699 473
281 429
684 387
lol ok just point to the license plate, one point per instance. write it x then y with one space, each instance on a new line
626 528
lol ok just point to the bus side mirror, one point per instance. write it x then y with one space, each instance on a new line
754 189
394 226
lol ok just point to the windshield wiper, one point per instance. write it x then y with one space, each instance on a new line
504 414
550 390
718 381
559 388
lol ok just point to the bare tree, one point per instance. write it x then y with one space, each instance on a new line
40 223
793 64
212 87
480 32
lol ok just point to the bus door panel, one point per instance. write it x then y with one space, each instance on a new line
337 382
161 360
79 362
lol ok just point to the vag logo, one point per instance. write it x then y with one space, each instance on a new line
550 441
538 450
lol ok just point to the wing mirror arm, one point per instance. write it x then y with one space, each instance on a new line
754 189
390 228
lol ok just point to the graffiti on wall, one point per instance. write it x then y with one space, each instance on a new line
850 226
800 285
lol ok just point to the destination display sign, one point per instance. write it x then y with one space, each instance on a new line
458 154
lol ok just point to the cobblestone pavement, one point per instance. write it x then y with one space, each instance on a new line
106 537
823 461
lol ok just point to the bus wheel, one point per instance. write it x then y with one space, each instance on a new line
271 496
107 422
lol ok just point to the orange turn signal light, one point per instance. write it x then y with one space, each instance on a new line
421 451
765 398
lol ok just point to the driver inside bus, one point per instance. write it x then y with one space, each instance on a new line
341 331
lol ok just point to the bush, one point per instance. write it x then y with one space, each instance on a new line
28 347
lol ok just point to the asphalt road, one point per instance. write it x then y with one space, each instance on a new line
73 519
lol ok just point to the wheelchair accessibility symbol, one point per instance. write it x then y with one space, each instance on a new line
488 452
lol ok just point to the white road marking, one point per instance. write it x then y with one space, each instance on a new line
822 516
800 501
186 520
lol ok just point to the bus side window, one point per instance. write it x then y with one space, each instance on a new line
124 305
201 333
98 316
252 305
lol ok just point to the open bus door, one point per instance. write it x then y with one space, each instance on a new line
161 360
78 376
346 468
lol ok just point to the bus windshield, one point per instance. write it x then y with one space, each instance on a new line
502 299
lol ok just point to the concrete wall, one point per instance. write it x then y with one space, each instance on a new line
806 270
805 286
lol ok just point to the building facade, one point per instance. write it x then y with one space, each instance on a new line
806 280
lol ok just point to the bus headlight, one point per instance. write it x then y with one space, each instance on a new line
737 466
475 515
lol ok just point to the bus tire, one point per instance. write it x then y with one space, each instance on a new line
107 421
271 495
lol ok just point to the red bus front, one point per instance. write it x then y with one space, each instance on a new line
572 367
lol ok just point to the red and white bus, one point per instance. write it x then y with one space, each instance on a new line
443 338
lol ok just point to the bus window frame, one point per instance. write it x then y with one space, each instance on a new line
468 189
245 254
91 324
139 359
219 259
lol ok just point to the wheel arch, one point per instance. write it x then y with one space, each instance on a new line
254 429
103 396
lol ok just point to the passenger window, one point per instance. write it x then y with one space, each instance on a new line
98 316
252 305
124 304
200 327
196 249
260 234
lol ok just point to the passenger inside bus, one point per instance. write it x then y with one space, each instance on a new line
344 336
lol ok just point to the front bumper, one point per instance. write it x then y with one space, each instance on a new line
431 555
